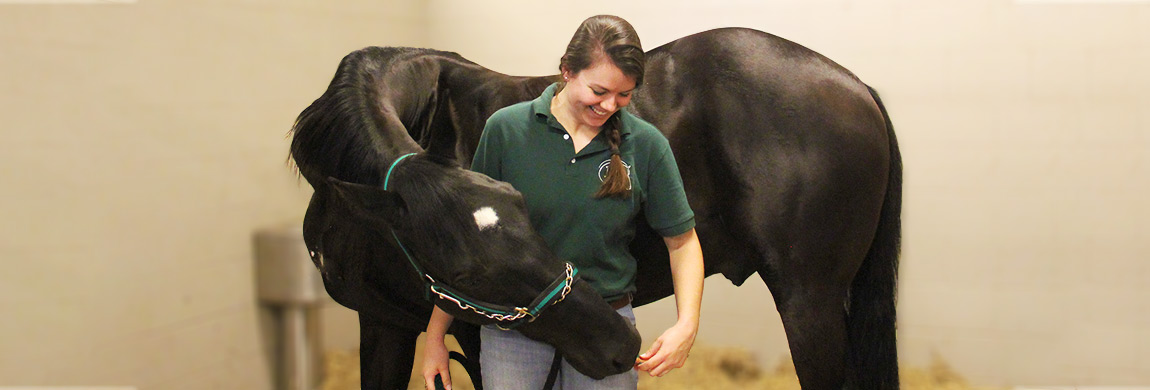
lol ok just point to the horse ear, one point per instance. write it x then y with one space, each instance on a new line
369 202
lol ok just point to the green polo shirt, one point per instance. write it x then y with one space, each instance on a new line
525 145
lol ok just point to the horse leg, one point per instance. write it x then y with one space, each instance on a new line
386 354
815 323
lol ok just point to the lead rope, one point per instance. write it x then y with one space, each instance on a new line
554 373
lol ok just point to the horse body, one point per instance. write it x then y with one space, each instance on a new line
788 160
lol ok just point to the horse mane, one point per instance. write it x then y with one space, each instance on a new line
344 132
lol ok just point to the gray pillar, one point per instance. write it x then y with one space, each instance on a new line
289 283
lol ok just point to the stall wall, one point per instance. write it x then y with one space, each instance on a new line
1025 136
140 145
143 143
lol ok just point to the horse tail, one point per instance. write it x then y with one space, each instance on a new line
871 314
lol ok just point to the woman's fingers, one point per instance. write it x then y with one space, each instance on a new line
645 363
445 376
667 353
442 376
435 364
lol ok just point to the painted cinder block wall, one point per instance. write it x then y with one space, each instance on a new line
143 143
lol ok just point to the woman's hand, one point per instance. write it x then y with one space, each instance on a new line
670 350
435 362
435 353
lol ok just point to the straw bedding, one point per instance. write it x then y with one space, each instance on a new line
709 368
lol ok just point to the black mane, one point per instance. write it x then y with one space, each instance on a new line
342 133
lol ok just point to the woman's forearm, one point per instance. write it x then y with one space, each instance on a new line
438 324
687 273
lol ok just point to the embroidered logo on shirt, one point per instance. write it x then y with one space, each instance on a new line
603 171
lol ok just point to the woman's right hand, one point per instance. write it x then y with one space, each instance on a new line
434 351
435 362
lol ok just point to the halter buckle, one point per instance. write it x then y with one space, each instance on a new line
523 312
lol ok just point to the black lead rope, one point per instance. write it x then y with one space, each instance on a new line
554 373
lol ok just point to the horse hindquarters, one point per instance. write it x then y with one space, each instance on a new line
871 315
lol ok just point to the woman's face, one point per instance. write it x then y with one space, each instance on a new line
595 93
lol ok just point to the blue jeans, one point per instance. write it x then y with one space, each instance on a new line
511 361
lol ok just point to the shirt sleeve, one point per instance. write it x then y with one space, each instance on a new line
667 210
488 155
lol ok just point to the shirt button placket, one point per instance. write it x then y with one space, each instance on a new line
570 168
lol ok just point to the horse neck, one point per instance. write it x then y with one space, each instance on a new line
393 139
482 92
464 77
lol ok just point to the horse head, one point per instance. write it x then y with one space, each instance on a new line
470 240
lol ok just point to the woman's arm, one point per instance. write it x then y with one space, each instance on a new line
435 351
670 350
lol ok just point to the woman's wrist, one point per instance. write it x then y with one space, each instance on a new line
688 323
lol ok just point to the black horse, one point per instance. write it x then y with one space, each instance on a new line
789 161
392 230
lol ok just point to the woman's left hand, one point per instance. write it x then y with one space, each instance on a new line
670 350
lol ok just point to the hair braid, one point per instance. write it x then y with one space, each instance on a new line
618 181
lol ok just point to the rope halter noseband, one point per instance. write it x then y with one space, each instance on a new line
506 317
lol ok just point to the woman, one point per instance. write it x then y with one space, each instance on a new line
586 169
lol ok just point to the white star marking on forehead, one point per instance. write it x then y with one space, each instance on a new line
485 218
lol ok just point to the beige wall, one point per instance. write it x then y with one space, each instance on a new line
140 146
1025 135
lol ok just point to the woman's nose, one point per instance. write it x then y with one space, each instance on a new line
608 104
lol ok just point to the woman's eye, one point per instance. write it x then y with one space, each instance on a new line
599 93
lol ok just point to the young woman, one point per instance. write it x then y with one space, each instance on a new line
586 169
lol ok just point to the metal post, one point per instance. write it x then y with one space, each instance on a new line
301 369
288 282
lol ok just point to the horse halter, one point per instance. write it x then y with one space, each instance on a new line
508 317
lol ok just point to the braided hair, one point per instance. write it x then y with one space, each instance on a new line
611 37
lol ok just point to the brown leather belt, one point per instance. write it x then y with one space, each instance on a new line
623 301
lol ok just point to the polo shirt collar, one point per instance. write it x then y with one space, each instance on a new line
541 107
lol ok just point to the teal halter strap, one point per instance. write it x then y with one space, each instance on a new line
507 317
392 168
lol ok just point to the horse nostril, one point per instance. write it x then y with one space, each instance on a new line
623 364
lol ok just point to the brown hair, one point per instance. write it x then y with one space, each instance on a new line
611 37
